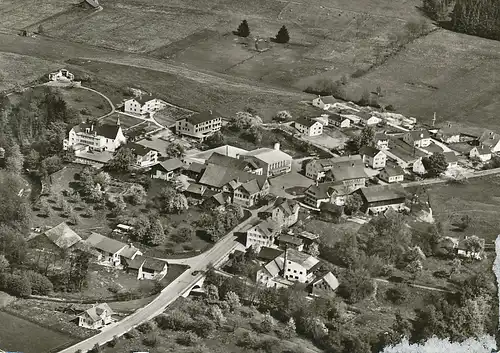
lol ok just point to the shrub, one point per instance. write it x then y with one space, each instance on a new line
188 338
146 327
398 294
151 340
85 111
39 283
18 286
113 342
356 286
96 348
131 334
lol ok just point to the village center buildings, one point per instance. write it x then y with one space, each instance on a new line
97 137
200 125
271 160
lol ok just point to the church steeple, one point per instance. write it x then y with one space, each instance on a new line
118 121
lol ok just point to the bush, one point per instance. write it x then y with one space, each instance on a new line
356 286
96 348
113 342
39 283
146 327
18 286
397 294
188 338
131 334
151 340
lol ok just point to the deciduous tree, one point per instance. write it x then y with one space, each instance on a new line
122 160
435 164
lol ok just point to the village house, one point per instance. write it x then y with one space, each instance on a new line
491 140
62 75
91 136
351 174
448 134
380 198
451 159
381 141
224 161
145 104
286 241
112 252
464 251
316 169
167 169
199 125
144 156
285 212
273 161
373 157
325 102
482 152
356 120
392 174
146 267
95 317
371 120
262 234
196 191
339 121
334 193
417 138
244 188
308 127
267 254
324 286
194 170
418 167
403 154
323 119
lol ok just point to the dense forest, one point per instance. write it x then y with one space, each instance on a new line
475 17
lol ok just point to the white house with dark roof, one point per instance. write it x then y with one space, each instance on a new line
271 160
491 140
165 170
96 137
225 161
417 138
144 156
147 267
392 174
373 157
448 134
339 121
316 169
451 159
199 125
352 175
380 198
95 317
142 105
324 286
112 252
324 102
332 192
381 141
285 212
482 152
286 241
308 127
263 233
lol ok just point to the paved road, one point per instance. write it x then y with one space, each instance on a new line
466 175
174 290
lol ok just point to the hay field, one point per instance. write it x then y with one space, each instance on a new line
455 75
25 13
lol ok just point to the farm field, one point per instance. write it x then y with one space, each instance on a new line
26 13
14 331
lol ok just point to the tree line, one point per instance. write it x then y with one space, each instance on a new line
475 17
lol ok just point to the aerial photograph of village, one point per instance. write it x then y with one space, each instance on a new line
267 176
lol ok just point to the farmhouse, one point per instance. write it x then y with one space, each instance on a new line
95 159
142 105
451 159
353 118
112 252
195 191
325 102
404 155
146 267
224 161
144 156
308 127
62 75
285 212
91 136
334 193
262 234
491 140
419 167
165 170
95 317
339 121
324 286
286 241
482 152
323 119
271 160
371 120
373 157
194 170
380 198
199 125
381 141
202 157
317 168
448 134
417 138
351 175
392 174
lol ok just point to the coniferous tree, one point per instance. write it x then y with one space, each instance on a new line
243 29
282 36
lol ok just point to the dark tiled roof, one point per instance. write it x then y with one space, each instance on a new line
138 150
269 254
328 99
107 130
169 165
305 121
483 149
369 151
63 236
103 243
419 134
196 167
347 172
228 162
337 117
489 138
451 157
393 170
289 239
383 192
144 98
216 176
202 117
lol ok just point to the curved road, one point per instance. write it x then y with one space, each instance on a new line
181 285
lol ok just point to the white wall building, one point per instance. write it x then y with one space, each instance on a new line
89 136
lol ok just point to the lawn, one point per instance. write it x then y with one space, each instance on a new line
25 13
329 232
170 114
331 138
126 121
20 335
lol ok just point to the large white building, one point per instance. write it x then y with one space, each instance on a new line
271 160
143 105
309 127
89 136
200 125
262 234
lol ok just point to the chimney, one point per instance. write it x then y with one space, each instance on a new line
421 135
210 111
352 165
118 121
449 124
131 245
277 146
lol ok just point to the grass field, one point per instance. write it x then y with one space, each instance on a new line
14 331
125 120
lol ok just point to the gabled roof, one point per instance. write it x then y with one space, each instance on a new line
269 155
383 192
329 162
202 117
107 130
62 236
196 167
329 279
369 151
286 205
95 312
146 262
169 165
103 243
393 170
328 99
380 136
451 157
216 176
144 98
482 149
229 162
267 227
251 187
325 190
274 267
342 172
306 122
285 238
305 260
267 253
419 134
448 131
138 150
489 138
195 188
337 117
308 235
